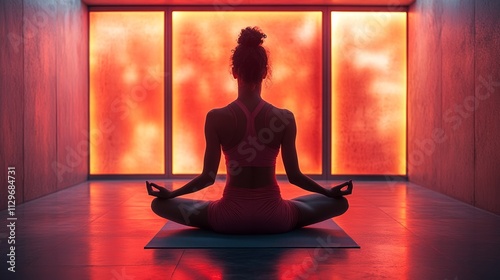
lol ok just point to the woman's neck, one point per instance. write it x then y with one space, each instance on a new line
249 93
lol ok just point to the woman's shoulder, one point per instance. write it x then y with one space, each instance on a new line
282 113
219 110
219 113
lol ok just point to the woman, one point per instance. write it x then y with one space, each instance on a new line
250 132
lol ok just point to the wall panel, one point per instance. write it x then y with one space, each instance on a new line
456 146
452 64
424 90
487 93
11 96
40 84
43 85
72 94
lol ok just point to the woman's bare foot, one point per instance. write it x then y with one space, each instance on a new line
342 189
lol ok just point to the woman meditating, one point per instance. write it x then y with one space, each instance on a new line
250 132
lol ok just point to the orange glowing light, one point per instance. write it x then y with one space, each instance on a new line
126 93
368 93
201 50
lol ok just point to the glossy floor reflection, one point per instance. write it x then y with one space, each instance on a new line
97 230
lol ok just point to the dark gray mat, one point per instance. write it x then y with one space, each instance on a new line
325 234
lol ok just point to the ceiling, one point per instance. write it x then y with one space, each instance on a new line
232 3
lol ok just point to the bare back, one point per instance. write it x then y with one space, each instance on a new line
270 125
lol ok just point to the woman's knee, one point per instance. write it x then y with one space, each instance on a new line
156 205
343 205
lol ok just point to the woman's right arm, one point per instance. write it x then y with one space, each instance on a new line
291 162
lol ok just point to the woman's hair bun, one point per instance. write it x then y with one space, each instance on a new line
251 37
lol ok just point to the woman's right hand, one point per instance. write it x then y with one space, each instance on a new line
341 190
160 193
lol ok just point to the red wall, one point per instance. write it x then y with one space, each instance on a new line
454 99
44 96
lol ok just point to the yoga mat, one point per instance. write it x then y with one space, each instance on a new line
325 234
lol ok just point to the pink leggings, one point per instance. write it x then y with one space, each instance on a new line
252 211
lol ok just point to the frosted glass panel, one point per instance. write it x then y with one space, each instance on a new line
202 44
368 93
127 93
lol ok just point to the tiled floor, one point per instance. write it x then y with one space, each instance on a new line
97 230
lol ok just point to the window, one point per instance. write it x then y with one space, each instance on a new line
202 80
368 93
155 74
126 63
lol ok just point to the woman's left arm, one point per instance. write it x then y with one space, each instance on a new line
210 162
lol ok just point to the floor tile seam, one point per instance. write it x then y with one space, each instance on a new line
97 217
177 264
415 234
396 220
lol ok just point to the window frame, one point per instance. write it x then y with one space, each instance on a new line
326 11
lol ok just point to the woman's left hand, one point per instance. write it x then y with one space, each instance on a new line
341 190
161 192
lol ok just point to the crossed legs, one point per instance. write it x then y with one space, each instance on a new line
312 208
190 212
